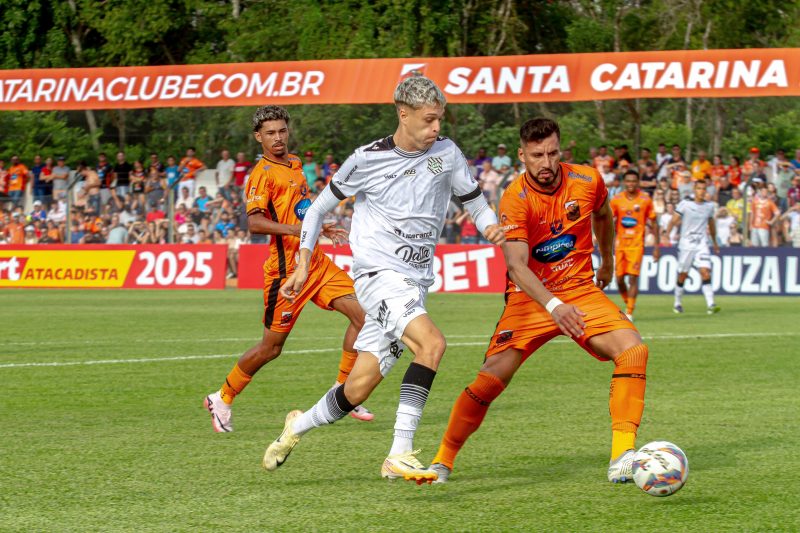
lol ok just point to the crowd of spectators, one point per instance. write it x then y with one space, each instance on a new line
124 202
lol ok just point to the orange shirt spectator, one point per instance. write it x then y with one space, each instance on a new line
15 230
190 165
753 165
718 169
735 172
701 167
764 210
17 177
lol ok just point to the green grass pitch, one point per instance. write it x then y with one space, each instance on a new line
111 435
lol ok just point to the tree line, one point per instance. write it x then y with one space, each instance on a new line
95 33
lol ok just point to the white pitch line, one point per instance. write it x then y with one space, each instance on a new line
326 350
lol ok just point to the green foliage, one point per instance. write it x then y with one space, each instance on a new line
50 33
47 134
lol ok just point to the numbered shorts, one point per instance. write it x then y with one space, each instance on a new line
628 261
699 257
391 300
325 283
526 326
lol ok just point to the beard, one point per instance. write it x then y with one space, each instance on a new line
545 177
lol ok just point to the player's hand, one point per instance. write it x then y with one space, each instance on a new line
716 249
569 320
294 283
656 253
603 275
495 234
337 235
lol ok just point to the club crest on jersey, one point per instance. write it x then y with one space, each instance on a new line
436 165
573 210
637 208
301 208
556 227
286 317
504 336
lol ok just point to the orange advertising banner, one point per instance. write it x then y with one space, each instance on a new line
496 79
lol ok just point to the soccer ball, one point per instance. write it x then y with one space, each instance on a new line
660 468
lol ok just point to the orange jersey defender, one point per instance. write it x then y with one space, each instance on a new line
631 216
557 226
280 191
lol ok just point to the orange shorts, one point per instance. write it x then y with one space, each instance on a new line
325 283
526 326
628 261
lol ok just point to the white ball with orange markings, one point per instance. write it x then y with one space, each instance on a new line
660 468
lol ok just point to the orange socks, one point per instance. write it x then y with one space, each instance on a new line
626 401
236 381
631 303
346 365
467 415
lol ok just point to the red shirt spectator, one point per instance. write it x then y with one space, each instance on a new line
240 169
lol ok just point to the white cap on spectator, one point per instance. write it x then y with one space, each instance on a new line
37 202
29 228
503 146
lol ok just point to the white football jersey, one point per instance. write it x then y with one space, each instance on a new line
694 223
401 202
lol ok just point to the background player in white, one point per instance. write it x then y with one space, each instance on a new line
403 185
696 218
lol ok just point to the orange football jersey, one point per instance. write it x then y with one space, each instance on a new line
280 191
631 216
557 226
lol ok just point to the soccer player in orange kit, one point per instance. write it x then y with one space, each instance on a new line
548 213
633 210
277 201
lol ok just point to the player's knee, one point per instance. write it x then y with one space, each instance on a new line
432 350
268 351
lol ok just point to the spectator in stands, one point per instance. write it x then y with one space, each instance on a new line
501 162
39 212
202 237
18 177
60 176
782 174
155 214
701 167
645 157
185 199
754 165
15 229
223 223
240 170
91 186
724 221
202 200
122 173
662 157
796 161
52 234
649 178
603 162
735 171
311 170
469 231
489 180
117 234
327 171
188 169
137 179
668 239
223 174
621 154
791 225
172 172
659 202
724 190
793 194
42 190
154 187
607 173
479 160
58 212
673 163
30 235
735 205
568 156
764 214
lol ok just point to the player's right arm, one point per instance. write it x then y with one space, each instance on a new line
346 182
514 217
567 317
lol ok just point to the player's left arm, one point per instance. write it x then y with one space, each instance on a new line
469 193
653 220
712 231
603 227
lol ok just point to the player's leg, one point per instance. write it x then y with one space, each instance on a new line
219 403
708 290
685 261
632 269
620 265
633 293
338 294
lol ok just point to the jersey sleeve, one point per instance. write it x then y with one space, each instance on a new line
681 207
351 178
601 192
258 193
514 212
464 186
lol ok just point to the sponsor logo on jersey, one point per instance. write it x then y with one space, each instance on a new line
578 176
390 176
346 178
628 222
383 314
395 350
573 210
436 165
553 250
301 208
286 317
416 256
426 235
556 227
410 172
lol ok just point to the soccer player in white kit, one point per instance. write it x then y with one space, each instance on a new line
402 185
696 218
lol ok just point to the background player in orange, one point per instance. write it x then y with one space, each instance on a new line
277 201
632 209
549 212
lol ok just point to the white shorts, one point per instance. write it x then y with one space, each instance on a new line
759 237
699 257
391 300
